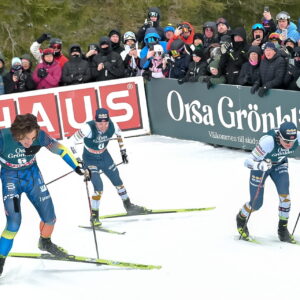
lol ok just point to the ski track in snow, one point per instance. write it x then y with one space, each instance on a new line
199 252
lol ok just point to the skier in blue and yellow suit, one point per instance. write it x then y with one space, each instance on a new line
20 174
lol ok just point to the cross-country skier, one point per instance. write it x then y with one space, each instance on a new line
269 158
20 174
96 135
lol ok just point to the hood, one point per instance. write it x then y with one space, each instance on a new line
75 46
154 9
115 31
239 31
255 49
211 25
104 40
151 33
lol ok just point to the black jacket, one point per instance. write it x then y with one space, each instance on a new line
272 71
113 66
24 83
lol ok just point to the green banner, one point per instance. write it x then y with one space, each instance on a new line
227 115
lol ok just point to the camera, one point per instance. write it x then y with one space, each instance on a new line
257 36
179 26
266 9
132 47
150 23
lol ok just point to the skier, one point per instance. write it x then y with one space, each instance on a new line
96 135
269 158
20 174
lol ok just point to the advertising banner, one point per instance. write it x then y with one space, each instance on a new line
223 115
61 111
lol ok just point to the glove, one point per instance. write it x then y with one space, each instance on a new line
208 84
124 156
262 91
225 47
205 79
42 72
43 37
264 165
180 81
84 172
254 88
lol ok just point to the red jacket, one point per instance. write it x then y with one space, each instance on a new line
188 41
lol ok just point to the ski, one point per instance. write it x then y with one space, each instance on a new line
84 259
157 211
104 229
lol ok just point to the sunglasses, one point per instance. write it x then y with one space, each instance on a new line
286 141
153 14
175 53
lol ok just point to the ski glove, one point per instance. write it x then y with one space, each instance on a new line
84 172
264 165
124 156
42 72
43 37
262 91
254 88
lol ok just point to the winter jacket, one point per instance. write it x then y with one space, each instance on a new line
188 41
272 71
195 70
24 83
35 50
177 68
53 77
113 66
142 30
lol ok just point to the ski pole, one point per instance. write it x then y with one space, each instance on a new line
296 224
59 177
93 226
253 202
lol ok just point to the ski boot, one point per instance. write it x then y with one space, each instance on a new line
241 227
283 232
95 218
133 209
2 261
45 244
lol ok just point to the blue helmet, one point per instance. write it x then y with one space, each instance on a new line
258 26
288 131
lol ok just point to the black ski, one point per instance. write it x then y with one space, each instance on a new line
103 229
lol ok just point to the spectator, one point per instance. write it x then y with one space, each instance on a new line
293 71
47 74
185 32
197 67
107 64
268 23
258 37
156 66
271 71
169 32
223 28
76 70
151 38
152 21
55 44
3 70
215 76
249 73
290 44
130 55
234 54
198 42
209 34
285 27
26 63
17 80
93 49
178 64
115 41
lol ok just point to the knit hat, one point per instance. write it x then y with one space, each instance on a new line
102 115
169 28
16 61
199 53
198 36
269 45
223 21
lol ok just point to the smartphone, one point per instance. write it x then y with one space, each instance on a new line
266 9
284 34
257 36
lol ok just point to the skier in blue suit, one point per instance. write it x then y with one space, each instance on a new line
269 158
96 135
20 174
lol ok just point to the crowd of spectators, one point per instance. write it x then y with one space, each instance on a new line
268 58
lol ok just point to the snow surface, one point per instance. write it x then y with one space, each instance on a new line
200 254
